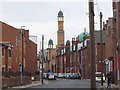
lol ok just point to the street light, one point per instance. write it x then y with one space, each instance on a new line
21 34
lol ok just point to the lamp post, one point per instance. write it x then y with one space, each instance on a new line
21 34
39 61
42 57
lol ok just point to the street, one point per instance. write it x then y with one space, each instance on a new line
76 44
66 83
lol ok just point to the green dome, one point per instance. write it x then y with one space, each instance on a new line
82 35
60 13
50 42
67 41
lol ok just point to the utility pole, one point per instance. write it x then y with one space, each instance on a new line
101 48
21 66
42 56
92 45
39 62
118 37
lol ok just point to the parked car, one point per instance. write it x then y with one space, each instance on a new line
68 75
56 75
98 77
76 76
71 75
60 75
45 75
51 76
64 75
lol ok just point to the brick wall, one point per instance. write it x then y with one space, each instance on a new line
86 62
15 81
10 33
31 57
98 59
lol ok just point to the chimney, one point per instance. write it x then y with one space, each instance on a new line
77 39
104 26
73 41
114 5
27 34
106 22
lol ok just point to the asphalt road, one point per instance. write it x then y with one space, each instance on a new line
66 83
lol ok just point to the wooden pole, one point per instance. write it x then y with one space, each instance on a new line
118 37
92 45
101 48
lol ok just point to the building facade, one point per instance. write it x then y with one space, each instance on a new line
29 51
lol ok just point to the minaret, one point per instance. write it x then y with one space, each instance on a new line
50 44
60 32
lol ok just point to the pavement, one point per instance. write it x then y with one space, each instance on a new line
112 86
34 83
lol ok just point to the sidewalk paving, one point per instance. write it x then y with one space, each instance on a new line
34 83
112 86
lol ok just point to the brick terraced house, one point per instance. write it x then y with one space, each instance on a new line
29 59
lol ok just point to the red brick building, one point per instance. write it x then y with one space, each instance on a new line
111 43
11 34
98 50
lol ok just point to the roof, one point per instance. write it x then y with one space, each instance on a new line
97 36
82 35
50 42
60 13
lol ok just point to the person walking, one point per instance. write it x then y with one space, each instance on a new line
109 77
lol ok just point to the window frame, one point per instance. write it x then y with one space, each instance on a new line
9 53
3 51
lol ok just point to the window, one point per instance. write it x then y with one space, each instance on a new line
9 53
2 51
2 71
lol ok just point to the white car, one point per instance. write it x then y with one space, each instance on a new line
68 75
51 76
98 77
60 75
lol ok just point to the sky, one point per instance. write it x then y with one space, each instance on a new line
40 17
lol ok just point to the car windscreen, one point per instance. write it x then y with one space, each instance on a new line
98 75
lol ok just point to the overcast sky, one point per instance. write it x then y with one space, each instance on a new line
40 18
